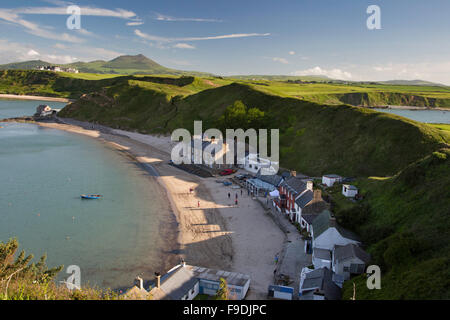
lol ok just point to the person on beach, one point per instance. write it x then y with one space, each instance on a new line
236 195
236 201
198 204
229 195
241 192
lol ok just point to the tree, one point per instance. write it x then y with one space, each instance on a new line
20 268
222 293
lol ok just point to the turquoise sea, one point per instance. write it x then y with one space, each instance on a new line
43 171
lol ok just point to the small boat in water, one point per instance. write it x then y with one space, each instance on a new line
91 196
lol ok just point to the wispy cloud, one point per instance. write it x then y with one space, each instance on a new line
86 11
34 28
281 60
135 23
226 36
183 46
161 17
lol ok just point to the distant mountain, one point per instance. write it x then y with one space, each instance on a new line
281 77
126 64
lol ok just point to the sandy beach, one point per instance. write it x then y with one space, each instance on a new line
36 98
213 231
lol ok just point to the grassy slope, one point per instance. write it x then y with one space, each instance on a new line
404 220
407 229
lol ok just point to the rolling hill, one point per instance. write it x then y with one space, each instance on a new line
124 65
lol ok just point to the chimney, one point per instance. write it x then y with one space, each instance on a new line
318 195
139 282
309 185
158 279
294 173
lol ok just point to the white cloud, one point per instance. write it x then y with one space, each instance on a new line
226 36
183 46
33 53
281 60
318 71
59 46
161 17
135 23
291 53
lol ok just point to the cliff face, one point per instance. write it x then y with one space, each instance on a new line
373 99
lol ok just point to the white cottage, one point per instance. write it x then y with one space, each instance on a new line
349 260
330 179
326 233
349 190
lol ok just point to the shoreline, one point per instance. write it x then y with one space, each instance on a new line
35 98
412 108
217 234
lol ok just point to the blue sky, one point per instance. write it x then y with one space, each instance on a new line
299 37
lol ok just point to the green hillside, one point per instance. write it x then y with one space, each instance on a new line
404 216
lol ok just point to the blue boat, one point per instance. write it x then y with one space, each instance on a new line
91 196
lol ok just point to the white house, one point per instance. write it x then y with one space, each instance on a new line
349 260
255 164
330 179
349 190
326 233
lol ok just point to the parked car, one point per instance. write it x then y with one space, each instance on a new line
227 172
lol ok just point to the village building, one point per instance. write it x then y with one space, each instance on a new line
349 260
326 233
44 111
185 282
58 69
330 179
264 183
349 190
318 284
253 163
289 191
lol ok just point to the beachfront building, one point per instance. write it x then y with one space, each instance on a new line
318 284
330 179
263 183
349 190
212 149
349 260
321 258
326 233
289 191
185 282
253 163
44 111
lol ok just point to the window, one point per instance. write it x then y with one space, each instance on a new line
346 269
193 290
357 268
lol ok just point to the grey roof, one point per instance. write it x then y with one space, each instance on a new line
324 221
273 179
322 279
322 254
350 187
177 283
309 218
232 278
350 251
305 198
294 184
